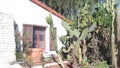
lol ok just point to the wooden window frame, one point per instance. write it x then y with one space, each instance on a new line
39 26
38 46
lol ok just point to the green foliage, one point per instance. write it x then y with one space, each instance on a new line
97 65
92 35
19 55
23 55
92 27
88 36
66 26
84 34
50 22
101 65
69 8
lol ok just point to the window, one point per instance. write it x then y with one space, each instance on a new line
51 41
35 36
38 37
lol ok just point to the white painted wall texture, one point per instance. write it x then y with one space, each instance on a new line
26 12
7 39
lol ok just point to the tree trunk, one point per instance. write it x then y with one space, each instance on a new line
118 36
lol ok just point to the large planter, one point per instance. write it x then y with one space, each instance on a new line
35 55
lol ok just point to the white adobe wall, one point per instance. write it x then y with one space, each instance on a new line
7 39
26 12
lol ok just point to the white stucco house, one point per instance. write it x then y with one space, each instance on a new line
30 16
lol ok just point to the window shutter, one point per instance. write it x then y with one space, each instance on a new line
27 35
51 41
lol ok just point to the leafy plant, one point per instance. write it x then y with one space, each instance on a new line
101 65
50 22
19 55
23 55
90 38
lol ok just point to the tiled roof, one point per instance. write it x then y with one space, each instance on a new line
39 3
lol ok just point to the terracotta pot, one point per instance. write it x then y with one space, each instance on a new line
35 54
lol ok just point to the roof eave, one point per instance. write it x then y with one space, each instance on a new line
39 3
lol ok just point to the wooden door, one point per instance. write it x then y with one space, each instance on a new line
39 37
